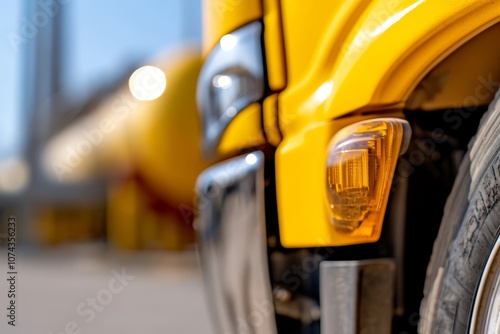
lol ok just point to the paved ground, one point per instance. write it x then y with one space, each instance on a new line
56 288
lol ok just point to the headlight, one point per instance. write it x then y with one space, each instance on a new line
231 79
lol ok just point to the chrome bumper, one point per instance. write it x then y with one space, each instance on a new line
232 240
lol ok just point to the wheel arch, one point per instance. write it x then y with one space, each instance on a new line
376 58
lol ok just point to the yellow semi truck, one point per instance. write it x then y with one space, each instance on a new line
348 133
147 153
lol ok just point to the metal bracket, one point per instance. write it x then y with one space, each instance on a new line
357 296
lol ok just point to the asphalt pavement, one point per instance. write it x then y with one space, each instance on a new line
90 289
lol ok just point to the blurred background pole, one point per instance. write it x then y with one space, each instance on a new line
42 63
41 78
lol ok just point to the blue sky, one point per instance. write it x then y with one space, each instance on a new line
101 40
9 77
108 36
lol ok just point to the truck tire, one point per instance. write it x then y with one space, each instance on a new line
465 268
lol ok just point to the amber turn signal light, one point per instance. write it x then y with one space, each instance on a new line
360 166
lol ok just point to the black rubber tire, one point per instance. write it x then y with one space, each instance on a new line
469 229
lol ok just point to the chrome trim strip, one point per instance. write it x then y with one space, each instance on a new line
232 241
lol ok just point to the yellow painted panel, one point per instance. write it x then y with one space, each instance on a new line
244 131
221 17
345 58
301 186
270 115
273 39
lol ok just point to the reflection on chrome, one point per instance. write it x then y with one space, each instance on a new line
222 81
228 42
232 246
